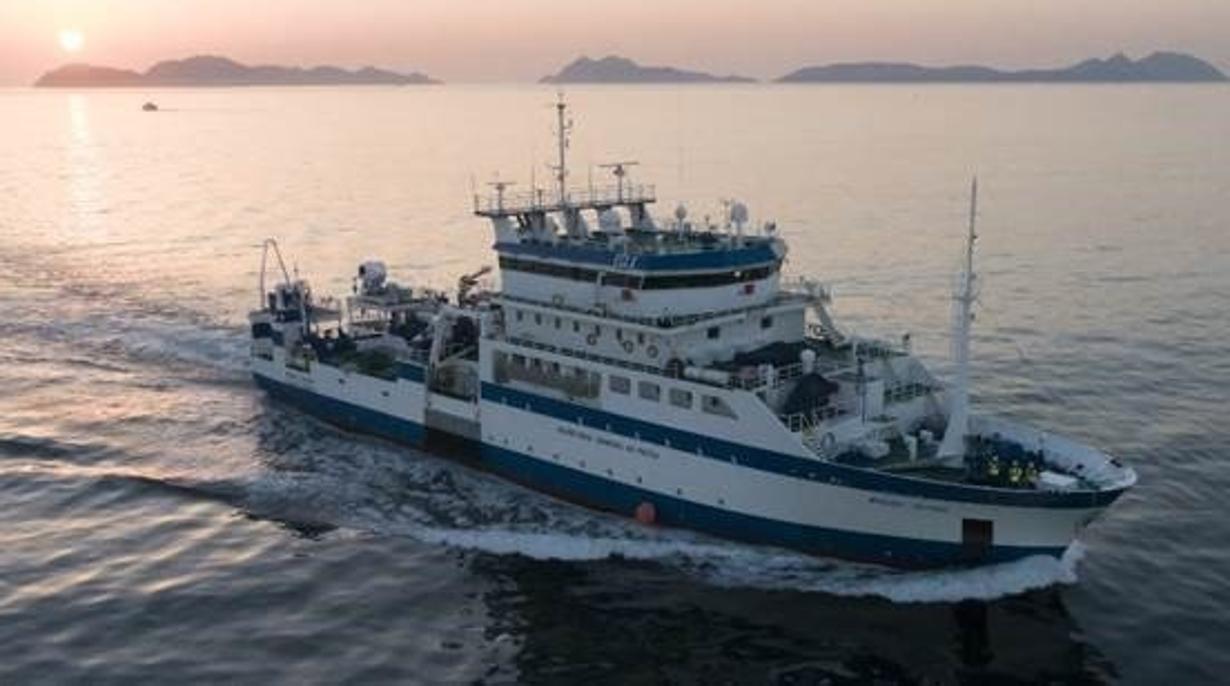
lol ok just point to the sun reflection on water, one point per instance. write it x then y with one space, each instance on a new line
85 206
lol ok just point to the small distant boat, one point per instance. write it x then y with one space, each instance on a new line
149 107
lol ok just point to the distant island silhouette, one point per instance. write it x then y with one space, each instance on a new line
1157 67
616 69
209 70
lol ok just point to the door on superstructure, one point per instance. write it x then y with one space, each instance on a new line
977 537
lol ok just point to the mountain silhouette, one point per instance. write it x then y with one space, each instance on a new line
210 70
615 69
1158 67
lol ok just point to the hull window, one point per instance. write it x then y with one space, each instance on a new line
648 390
620 384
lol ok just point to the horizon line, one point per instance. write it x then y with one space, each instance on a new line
535 80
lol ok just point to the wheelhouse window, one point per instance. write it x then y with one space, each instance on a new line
708 280
637 281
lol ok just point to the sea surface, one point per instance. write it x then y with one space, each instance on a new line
163 522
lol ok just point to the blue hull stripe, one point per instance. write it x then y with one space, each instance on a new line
621 498
788 465
344 414
604 494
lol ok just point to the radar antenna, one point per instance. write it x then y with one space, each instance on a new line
500 187
620 170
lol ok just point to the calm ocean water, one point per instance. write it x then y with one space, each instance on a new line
163 522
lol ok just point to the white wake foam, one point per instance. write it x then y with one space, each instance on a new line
390 492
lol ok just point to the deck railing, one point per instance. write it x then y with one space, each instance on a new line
548 200
662 322
797 422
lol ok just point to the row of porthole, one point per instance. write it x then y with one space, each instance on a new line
678 397
646 390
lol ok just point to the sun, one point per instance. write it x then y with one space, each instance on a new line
72 40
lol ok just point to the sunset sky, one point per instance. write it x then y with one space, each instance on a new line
518 40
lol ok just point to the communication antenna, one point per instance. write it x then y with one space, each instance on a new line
620 170
533 184
500 187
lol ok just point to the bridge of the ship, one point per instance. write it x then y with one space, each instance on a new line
645 251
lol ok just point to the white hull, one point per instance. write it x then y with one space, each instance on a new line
729 494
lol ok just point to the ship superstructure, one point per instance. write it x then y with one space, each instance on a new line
664 369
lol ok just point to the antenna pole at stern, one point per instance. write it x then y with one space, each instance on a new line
952 447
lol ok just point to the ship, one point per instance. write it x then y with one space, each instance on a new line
669 371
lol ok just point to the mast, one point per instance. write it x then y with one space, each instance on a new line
952 448
563 128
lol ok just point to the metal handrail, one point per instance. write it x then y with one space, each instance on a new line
662 322
542 200
798 422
